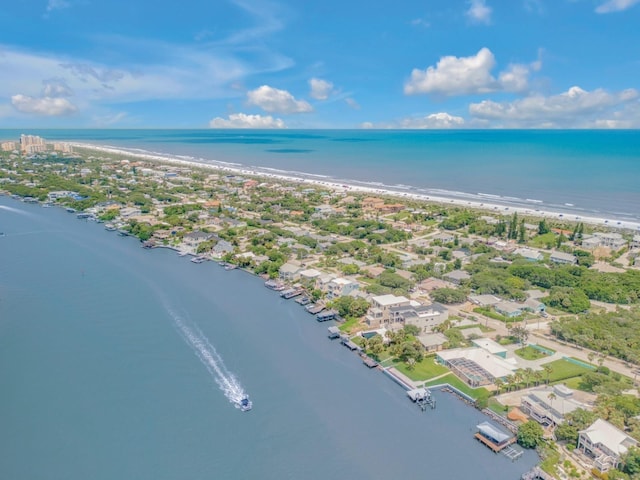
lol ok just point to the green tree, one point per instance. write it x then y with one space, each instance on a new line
543 228
530 434
448 295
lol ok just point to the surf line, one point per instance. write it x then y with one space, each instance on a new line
210 358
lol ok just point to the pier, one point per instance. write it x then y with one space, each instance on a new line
422 397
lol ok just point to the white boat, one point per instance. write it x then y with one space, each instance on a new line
245 404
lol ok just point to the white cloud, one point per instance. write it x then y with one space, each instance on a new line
48 106
320 89
420 22
469 75
352 103
274 100
479 12
242 120
56 88
57 5
435 120
615 6
575 108
441 120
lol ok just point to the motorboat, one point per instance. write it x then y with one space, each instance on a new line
245 404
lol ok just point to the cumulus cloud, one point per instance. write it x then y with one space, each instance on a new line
468 76
242 120
479 12
47 106
274 100
320 89
615 6
441 120
435 120
574 108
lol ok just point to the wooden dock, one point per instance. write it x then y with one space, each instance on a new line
496 447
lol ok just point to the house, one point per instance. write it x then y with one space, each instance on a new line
341 287
289 272
380 311
309 275
508 309
533 305
529 254
604 444
456 277
433 342
425 317
484 300
193 239
614 241
635 243
475 366
548 405
444 237
222 248
494 348
563 258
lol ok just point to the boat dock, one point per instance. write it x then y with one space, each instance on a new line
498 440
334 332
314 308
326 315
368 361
422 397
292 292
346 341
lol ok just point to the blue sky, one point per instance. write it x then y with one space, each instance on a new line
329 64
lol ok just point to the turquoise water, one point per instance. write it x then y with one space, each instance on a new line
104 374
587 172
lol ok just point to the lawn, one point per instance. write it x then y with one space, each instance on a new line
530 353
424 370
349 326
454 381
542 241
564 369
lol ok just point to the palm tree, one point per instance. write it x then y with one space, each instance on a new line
551 397
498 382
537 375
510 380
528 374
548 369
591 356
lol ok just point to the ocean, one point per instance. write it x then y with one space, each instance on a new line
582 172
118 362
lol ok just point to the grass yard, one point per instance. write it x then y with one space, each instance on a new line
424 370
530 353
564 369
451 379
351 325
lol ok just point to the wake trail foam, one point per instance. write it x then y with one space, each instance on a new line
210 358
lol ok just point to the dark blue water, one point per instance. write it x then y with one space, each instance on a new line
99 381
596 171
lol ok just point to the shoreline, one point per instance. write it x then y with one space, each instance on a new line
494 204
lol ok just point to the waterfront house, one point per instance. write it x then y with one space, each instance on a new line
341 287
222 248
612 240
380 311
289 272
475 366
425 317
433 342
563 258
309 276
549 405
193 239
604 444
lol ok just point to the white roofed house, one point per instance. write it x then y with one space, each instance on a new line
192 240
380 311
548 405
425 317
604 444
309 276
613 240
341 287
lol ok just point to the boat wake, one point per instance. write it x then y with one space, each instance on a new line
211 360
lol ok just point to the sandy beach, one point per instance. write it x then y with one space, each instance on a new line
495 204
